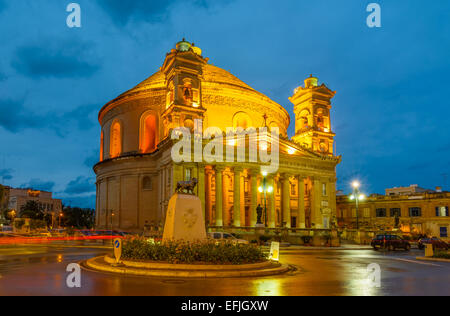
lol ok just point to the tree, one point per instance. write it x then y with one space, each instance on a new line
78 217
31 210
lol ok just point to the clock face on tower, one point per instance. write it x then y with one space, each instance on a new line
323 147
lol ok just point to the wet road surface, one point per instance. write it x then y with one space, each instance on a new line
41 270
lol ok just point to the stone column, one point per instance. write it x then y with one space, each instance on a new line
286 200
301 203
201 188
237 197
219 196
254 198
316 213
271 203
208 202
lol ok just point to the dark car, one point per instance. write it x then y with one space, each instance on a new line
436 242
390 242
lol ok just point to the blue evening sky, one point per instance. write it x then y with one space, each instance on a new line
391 113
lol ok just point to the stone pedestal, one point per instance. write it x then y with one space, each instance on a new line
184 220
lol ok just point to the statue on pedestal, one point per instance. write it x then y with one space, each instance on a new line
259 212
186 187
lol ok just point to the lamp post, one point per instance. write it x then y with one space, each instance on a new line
264 189
112 222
357 197
60 217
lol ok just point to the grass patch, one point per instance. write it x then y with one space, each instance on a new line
207 252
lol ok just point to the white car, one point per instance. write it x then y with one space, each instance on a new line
226 237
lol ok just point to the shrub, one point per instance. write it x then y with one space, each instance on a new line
264 238
18 224
442 255
137 248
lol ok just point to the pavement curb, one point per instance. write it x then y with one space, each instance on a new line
432 259
99 264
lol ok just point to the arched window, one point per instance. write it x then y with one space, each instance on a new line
243 120
303 119
115 148
147 183
148 133
102 140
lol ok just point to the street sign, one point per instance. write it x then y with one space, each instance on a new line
118 249
275 251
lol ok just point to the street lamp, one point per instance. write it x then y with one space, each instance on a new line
357 196
264 189
60 217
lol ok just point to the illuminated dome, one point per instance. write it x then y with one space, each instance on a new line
227 99
183 46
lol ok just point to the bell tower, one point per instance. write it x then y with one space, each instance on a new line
183 70
312 105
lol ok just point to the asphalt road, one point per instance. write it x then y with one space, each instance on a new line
41 270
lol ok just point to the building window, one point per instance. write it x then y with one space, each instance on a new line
102 141
147 183
187 174
324 189
381 212
396 212
293 190
148 133
415 212
444 232
367 212
115 140
442 211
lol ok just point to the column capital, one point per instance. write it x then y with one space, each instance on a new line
254 171
238 169
219 168
285 176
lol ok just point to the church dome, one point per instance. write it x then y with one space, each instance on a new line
227 101
183 46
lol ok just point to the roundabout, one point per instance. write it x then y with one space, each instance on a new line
157 269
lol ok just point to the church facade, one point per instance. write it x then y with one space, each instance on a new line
136 175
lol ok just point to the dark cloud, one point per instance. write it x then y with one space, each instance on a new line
16 118
92 159
58 59
153 11
81 201
38 184
82 115
6 174
80 185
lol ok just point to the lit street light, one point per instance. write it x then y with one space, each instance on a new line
357 196
264 189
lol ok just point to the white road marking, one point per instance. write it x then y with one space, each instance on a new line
418 262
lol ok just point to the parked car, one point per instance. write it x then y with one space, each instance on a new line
224 237
390 242
436 242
